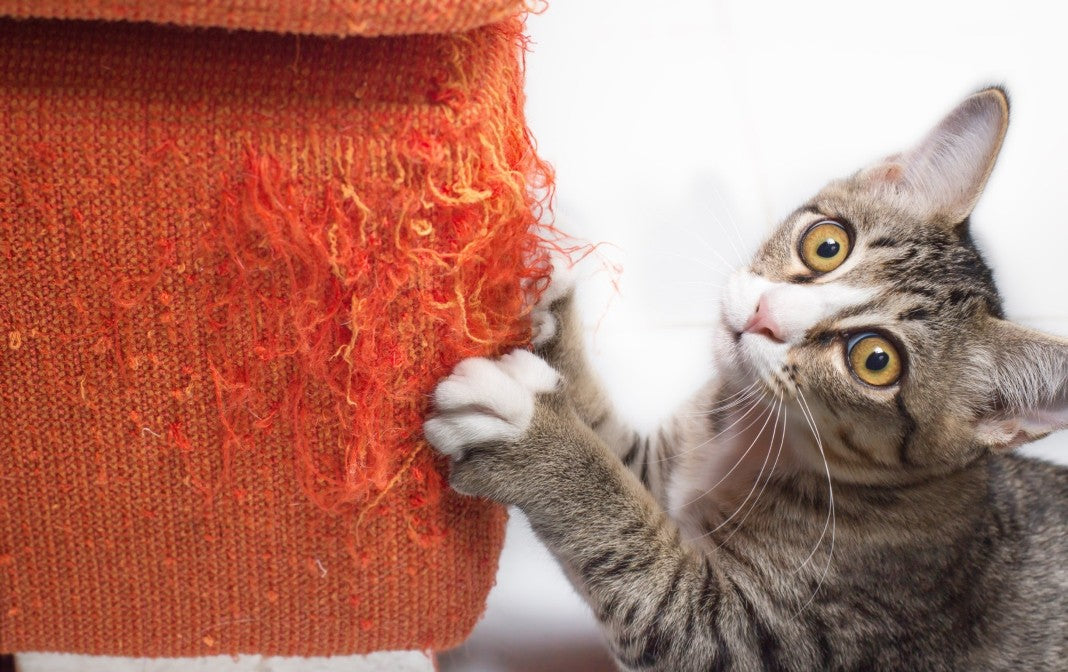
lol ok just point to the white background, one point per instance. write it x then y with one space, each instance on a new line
668 120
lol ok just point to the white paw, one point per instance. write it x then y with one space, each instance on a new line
542 321
486 401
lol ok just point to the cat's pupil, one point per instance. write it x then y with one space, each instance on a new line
829 248
877 360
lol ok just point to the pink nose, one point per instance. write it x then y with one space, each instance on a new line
762 322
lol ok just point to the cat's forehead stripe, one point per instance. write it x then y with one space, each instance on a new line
900 255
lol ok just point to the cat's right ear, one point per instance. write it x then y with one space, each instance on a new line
1028 395
943 176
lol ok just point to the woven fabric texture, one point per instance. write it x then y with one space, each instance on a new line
232 266
314 17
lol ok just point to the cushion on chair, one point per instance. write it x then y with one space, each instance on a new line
232 266
313 17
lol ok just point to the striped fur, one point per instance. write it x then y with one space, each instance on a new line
794 518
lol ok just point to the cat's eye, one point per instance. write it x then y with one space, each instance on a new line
874 359
824 246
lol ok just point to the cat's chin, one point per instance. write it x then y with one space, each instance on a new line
743 358
762 357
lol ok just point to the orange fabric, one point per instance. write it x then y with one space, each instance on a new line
232 265
314 17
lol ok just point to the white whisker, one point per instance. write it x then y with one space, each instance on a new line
699 261
756 481
720 409
810 420
806 411
748 410
711 248
728 402
700 283
730 218
771 472
738 462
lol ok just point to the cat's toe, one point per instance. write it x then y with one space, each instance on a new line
451 435
545 318
487 401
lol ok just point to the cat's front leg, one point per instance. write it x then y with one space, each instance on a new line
558 339
493 419
512 437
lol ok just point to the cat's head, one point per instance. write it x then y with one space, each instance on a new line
872 303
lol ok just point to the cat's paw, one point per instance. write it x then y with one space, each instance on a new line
550 313
487 401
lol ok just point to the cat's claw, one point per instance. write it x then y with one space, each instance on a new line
487 401
544 323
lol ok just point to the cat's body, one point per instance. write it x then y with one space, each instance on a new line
966 571
843 495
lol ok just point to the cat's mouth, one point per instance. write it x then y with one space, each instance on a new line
764 357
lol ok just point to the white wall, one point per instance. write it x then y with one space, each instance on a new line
669 120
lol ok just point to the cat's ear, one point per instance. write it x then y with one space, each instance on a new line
1029 395
944 175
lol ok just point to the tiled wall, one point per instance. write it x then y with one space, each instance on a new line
681 130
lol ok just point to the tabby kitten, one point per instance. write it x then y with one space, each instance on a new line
843 495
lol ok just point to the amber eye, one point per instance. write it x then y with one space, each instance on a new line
825 246
874 359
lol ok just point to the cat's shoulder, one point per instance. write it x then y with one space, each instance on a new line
1031 490
1029 468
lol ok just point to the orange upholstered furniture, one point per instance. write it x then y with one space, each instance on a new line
239 242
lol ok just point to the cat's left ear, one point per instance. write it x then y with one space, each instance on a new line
944 175
1029 395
